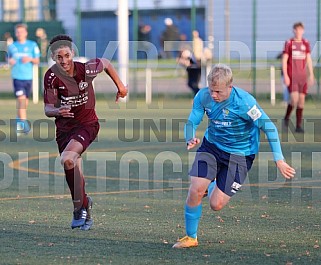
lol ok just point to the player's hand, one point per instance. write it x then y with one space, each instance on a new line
64 111
311 81
26 59
12 61
287 80
192 143
286 171
122 92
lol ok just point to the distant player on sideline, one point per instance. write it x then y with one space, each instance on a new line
296 60
69 97
229 146
22 55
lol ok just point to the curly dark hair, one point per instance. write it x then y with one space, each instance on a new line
60 41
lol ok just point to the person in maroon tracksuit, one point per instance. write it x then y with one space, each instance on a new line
296 62
70 98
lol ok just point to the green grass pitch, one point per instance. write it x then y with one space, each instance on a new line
137 175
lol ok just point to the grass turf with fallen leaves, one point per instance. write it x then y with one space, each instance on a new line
138 206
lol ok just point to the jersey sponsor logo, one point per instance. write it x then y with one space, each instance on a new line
75 101
61 87
20 54
298 55
220 124
83 85
254 113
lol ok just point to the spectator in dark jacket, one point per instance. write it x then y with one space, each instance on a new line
193 69
170 34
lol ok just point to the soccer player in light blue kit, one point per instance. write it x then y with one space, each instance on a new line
22 55
229 146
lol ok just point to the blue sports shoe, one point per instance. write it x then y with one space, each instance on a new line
22 127
89 220
79 218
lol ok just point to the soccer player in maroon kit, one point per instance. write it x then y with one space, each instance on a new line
296 61
70 98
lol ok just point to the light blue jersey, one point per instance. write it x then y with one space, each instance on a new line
234 124
23 71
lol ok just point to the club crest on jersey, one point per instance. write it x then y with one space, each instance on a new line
225 112
254 113
83 85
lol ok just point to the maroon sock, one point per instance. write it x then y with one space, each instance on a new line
76 184
299 112
288 112
69 173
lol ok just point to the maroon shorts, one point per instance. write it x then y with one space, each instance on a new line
85 135
300 86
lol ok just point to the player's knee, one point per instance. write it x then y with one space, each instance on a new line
294 103
195 193
217 205
67 163
300 106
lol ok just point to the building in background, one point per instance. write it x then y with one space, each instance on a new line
27 10
67 11
39 15
272 26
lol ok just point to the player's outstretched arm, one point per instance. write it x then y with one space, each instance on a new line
286 170
272 134
110 70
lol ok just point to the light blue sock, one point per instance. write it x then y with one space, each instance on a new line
192 218
210 188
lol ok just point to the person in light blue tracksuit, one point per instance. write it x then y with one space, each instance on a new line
22 55
228 149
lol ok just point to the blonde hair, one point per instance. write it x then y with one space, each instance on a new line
219 74
21 25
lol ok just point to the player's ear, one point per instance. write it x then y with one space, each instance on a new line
73 53
52 56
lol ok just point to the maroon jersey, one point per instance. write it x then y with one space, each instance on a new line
77 92
297 51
